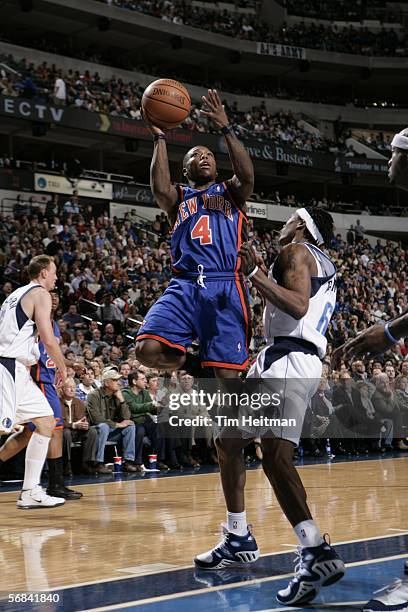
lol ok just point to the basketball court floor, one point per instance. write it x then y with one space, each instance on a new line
129 543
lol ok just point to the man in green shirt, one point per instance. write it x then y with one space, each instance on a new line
144 414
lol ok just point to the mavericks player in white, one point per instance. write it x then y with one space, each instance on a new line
25 315
300 294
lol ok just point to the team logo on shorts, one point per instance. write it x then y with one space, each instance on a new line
239 346
6 423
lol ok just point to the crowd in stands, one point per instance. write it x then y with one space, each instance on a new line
111 271
378 141
337 204
248 27
305 92
347 10
116 98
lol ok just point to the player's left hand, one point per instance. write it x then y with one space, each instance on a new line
248 258
372 340
214 109
61 376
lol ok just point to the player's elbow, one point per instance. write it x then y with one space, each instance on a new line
299 311
49 344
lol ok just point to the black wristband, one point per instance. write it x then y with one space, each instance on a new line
226 129
157 137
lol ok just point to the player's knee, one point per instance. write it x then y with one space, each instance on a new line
148 353
45 426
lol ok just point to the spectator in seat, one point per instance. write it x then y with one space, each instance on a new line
144 415
386 409
86 385
71 206
96 341
109 312
97 370
401 399
109 412
109 336
344 397
77 429
358 371
72 317
125 371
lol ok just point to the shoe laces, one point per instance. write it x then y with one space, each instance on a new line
298 561
224 540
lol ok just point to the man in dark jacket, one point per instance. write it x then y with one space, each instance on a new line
76 429
108 410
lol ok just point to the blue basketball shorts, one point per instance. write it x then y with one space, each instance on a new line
51 395
216 314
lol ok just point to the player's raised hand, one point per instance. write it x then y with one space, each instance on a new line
152 128
248 258
214 109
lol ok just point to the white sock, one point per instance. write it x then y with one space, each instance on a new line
36 454
237 523
308 534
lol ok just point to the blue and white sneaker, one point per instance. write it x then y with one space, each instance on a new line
315 567
232 550
394 597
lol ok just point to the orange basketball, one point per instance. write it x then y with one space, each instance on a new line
166 103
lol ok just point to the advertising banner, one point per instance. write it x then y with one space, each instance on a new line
278 50
59 184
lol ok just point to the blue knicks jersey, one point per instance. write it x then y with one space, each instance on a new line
208 231
44 370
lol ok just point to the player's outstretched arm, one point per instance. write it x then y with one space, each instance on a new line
374 340
242 183
42 318
163 191
295 269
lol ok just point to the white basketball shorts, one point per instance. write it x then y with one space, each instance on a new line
20 398
293 376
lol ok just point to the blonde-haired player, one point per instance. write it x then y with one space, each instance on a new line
24 316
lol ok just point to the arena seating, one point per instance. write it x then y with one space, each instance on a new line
246 27
371 286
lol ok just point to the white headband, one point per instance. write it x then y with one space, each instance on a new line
400 141
310 224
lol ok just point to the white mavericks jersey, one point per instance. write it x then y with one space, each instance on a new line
18 333
312 327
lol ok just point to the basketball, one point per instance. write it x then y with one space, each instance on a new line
166 103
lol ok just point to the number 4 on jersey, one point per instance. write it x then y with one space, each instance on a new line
202 230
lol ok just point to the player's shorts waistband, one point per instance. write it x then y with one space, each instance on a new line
283 346
209 276
289 344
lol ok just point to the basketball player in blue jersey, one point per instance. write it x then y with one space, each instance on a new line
300 294
43 373
206 298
